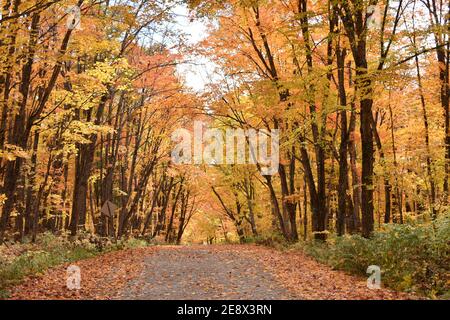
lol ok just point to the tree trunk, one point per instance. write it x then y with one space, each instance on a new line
343 148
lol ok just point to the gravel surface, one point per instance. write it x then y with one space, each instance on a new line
203 273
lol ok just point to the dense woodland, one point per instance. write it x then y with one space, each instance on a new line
359 90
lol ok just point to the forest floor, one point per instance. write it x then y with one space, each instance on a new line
202 272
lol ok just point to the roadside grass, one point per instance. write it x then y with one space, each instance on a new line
20 260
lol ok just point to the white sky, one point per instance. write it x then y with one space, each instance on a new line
195 74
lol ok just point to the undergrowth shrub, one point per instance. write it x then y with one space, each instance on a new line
411 257
274 240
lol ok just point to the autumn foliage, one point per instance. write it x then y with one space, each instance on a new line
358 89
